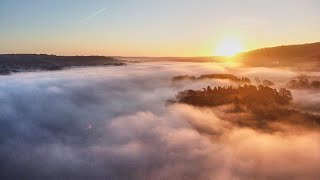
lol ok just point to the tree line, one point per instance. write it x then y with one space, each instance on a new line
302 82
213 76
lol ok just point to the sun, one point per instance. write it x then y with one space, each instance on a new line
229 47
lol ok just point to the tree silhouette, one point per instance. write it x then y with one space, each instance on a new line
213 76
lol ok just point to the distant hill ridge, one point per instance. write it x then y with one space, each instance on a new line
286 51
288 55
303 56
32 62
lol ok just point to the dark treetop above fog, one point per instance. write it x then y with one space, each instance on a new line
303 82
33 62
213 76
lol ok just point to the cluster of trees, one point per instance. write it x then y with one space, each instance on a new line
261 100
246 94
264 82
265 104
303 83
213 76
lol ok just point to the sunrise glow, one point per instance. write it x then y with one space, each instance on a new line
229 47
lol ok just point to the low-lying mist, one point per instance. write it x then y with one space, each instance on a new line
114 123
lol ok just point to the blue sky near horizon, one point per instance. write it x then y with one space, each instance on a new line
152 28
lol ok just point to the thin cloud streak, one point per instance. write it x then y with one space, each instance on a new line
93 15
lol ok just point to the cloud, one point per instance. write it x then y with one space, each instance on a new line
112 123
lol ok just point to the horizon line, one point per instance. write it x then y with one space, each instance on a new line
200 56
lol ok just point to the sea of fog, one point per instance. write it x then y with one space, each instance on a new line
114 123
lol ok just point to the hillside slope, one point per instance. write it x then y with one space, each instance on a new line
32 62
291 55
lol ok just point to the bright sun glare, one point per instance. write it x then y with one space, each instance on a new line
229 47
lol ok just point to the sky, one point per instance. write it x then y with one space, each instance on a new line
151 27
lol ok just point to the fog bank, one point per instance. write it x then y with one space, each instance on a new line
113 123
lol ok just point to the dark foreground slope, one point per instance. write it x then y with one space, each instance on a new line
291 55
31 62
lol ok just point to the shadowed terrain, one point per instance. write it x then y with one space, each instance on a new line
32 62
307 55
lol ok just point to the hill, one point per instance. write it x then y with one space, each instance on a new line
34 62
290 55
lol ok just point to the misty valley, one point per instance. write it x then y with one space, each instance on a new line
160 90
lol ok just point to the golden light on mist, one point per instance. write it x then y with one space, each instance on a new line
229 47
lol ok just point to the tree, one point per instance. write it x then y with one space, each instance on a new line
267 83
293 84
315 84
285 96
258 81
303 81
